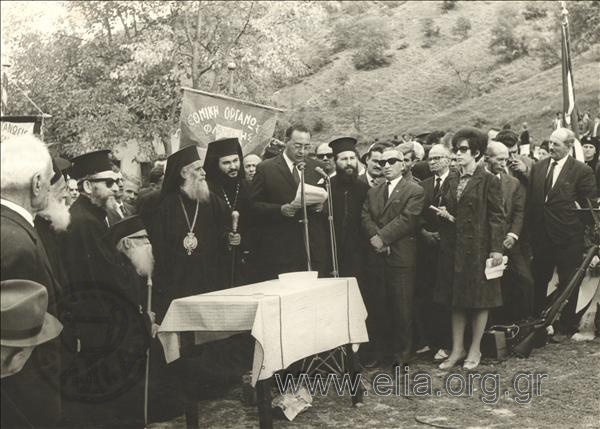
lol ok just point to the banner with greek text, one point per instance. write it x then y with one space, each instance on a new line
19 125
207 117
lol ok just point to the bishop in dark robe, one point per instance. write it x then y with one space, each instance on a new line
187 232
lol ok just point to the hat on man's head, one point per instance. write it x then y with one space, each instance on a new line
343 144
91 163
219 149
60 167
175 163
124 228
24 321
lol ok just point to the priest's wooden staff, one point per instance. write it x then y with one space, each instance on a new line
235 217
149 311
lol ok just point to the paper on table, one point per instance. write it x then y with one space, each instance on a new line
313 194
497 271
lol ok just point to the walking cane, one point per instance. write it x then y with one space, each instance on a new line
148 309
235 216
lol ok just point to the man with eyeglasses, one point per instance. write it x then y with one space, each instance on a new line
390 219
518 165
281 248
94 268
324 155
433 319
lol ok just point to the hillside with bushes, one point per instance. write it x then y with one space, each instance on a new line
415 67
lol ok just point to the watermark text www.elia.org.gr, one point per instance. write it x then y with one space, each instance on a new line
523 387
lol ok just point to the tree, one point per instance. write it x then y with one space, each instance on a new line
118 75
462 27
369 36
504 41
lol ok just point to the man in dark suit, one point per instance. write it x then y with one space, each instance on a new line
556 184
517 281
25 185
280 247
373 174
390 219
432 320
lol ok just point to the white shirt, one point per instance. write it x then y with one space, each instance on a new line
20 210
289 163
370 180
443 177
392 185
559 166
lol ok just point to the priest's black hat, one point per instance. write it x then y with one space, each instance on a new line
59 166
219 149
124 228
343 144
175 162
91 163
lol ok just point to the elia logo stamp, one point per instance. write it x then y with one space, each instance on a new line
103 344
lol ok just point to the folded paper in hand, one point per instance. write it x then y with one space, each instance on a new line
497 271
313 194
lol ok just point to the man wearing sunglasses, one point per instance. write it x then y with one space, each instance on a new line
390 218
324 155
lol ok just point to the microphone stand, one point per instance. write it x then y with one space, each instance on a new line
333 242
305 216
147 375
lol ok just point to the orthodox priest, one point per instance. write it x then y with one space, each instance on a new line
187 231
226 180
348 197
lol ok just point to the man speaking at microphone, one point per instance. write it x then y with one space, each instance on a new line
280 247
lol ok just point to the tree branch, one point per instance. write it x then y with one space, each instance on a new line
241 33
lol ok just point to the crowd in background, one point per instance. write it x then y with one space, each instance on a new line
417 220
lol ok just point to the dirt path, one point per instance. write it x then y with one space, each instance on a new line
569 397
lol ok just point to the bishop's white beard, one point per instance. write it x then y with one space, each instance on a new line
57 213
142 259
196 190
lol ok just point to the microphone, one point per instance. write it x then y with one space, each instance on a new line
235 217
300 165
322 173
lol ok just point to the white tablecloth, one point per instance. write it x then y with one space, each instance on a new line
289 321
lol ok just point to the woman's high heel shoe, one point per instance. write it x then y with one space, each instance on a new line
470 364
449 363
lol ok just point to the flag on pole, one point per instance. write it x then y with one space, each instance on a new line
4 86
570 116
206 117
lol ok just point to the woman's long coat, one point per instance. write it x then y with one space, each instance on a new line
466 244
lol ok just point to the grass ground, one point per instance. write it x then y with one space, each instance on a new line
570 397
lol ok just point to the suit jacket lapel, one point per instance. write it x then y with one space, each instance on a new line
474 180
561 177
395 193
285 171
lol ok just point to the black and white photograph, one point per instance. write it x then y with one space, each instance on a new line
300 214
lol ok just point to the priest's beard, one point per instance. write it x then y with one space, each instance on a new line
57 213
347 175
141 257
196 189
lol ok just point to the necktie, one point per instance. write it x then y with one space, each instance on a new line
436 190
296 175
549 177
122 210
386 191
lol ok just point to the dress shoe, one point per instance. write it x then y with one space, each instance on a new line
471 364
450 362
440 355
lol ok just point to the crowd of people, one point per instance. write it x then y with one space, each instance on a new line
416 224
